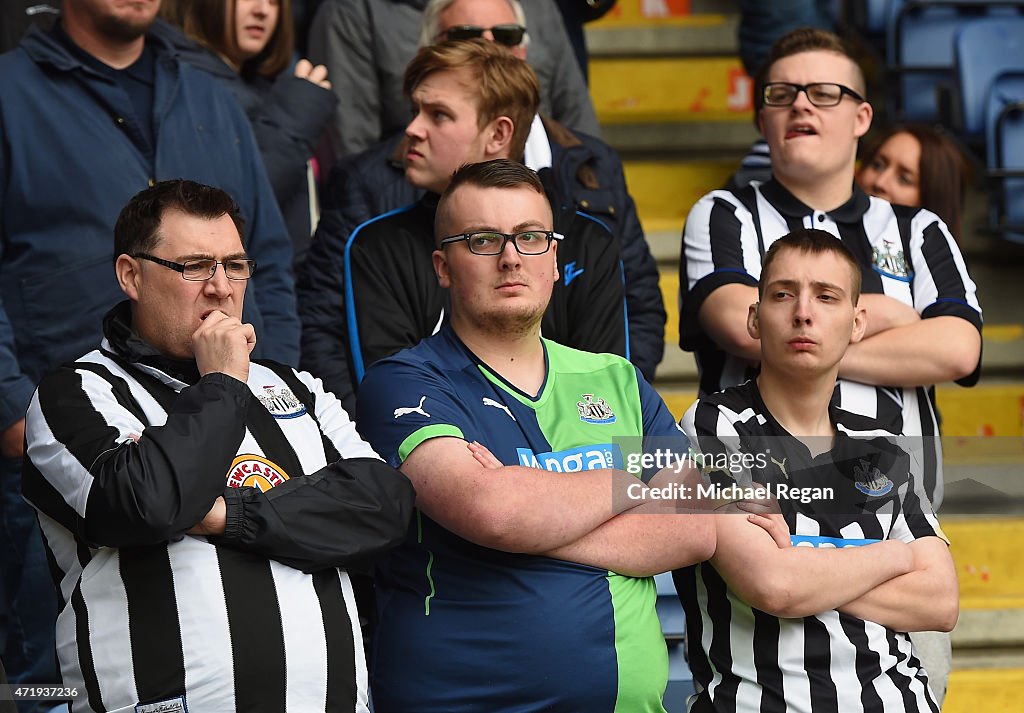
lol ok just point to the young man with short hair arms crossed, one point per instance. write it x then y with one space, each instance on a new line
804 611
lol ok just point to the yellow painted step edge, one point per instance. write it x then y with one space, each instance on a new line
998 689
992 603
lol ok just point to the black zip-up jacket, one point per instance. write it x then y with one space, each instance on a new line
586 174
375 293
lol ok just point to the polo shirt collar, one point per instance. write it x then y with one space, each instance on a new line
852 211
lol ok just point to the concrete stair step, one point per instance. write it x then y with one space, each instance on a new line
624 34
668 139
990 629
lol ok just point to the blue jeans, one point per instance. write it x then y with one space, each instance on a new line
28 604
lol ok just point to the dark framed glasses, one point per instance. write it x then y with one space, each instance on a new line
204 268
489 242
508 35
818 93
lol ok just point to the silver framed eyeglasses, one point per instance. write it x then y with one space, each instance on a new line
202 269
489 242
819 94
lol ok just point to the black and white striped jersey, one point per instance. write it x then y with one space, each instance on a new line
904 253
746 660
122 458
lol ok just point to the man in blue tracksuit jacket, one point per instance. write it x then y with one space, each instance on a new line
90 114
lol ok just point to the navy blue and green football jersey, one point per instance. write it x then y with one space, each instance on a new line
463 627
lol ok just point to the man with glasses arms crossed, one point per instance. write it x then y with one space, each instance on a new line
923 316
198 506
525 583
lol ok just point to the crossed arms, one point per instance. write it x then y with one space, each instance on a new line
906 587
586 518
899 348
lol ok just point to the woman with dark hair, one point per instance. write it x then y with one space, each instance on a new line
249 45
918 166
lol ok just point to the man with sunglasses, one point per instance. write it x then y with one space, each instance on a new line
199 506
525 583
366 45
923 316
369 292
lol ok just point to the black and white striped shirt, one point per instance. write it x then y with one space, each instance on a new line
904 253
746 660
122 458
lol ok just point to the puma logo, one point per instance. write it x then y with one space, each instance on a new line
782 465
405 411
495 404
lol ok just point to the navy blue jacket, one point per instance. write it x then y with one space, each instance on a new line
587 174
288 116
70 160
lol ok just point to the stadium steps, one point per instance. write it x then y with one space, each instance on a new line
665 78
988 641
667 86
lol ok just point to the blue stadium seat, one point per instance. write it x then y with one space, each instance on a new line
670 611
875 13
985 49
919 49
1004 128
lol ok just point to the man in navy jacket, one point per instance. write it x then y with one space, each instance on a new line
90 113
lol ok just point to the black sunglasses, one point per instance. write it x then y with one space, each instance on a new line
508 35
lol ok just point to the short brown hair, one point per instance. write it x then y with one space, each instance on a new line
505 85
212 23
940 174
498 173
798 41
813 242
138 224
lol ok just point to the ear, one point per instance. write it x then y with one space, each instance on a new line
499 137
864 116
753 328
760 121
129 276
860 324
441 268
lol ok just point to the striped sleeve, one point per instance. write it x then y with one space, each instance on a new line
915 518
941 283
719 247
713 438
